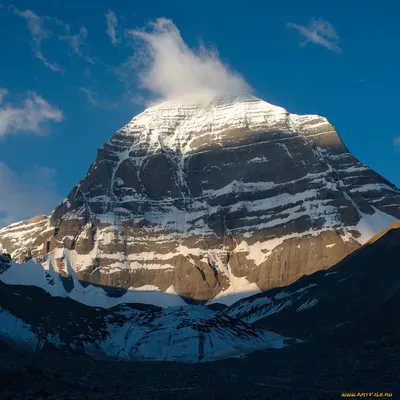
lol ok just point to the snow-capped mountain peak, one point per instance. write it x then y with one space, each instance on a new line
212 201
180 125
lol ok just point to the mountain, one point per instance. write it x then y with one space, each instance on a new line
347 318
356 301
33 319
365 312
213 202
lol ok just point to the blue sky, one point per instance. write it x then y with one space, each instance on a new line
69 82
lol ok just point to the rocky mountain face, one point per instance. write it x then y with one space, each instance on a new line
347 318
211 201
308 311
356 302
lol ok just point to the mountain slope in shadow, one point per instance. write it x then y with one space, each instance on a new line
357 300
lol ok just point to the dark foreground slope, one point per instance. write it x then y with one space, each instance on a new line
357 300
309 371
352 344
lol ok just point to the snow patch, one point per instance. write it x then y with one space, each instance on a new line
189 334
15 330
308 304
371 224
330 273
35 274
239 288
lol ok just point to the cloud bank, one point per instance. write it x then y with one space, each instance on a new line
27 194
30 116
396 141
170 70
320 32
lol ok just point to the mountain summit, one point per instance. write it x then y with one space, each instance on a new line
212 201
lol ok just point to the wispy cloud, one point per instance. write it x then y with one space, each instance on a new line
75 41
169 69
320 32
112 24
27 194
30 116
94 99
3 93
38 33
44 28
91 96
396 141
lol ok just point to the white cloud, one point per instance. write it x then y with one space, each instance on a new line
30 116
60 30
396 141
112 24
320 32
38 33
27 194
169 69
